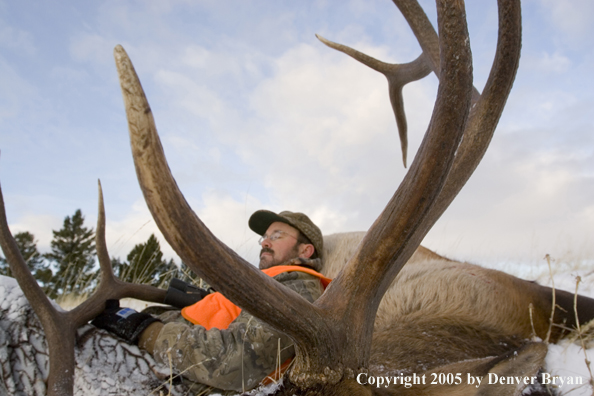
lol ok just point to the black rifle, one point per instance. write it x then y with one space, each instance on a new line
181 294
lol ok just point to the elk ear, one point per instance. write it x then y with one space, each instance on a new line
522 363
483 377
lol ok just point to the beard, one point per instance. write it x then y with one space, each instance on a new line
273 260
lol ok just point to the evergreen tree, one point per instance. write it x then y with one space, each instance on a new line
28 248
118 267
145 264
73 254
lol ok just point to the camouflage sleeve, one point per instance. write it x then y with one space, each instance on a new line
239 357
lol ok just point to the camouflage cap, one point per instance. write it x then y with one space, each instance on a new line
262 219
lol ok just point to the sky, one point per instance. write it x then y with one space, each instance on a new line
254 112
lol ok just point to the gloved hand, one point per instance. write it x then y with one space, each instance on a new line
126 323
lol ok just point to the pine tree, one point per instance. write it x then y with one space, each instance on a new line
145 264
73 254
118 267
28 248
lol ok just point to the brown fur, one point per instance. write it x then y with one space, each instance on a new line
446 292
439 312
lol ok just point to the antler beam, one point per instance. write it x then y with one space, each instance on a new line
398 231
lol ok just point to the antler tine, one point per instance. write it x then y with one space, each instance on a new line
107 275
21 271
404 222
59 330
425 35
398 75
197 246
109 286
485 114
487 108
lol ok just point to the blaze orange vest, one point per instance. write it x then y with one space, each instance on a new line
217 311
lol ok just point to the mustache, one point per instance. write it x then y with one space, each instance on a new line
266 250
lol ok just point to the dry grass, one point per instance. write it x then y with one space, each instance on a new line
581 333
554 304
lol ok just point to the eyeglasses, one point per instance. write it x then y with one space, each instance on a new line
274 236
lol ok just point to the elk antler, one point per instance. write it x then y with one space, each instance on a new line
332 336
418 204
59 326
398 231
198 248
222 268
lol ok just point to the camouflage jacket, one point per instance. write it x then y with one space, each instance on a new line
237 358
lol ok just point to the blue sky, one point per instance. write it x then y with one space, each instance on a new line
254 113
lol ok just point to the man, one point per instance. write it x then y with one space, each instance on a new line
214 342
293 235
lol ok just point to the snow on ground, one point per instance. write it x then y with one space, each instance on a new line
104 364
566 359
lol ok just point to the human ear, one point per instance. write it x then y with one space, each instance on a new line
306 250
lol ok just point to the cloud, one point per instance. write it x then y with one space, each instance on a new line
327 137
227 218
528 198
16 39
15 91
191 97
224 216
573 18
548 63
92 48
255 113
41 226
134 228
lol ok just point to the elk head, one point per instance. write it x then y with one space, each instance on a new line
332 336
